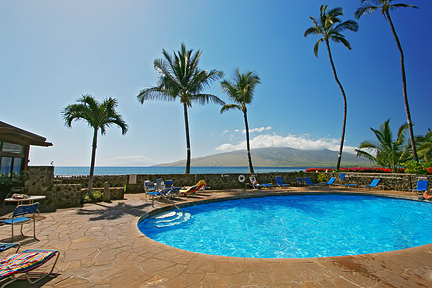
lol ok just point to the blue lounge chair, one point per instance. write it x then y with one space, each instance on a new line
255 185
149 187
19 217
373 184
309 182
280 183
421 186
330 182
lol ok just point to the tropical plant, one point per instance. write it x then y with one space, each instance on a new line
370 6
388 152
240 91
180 77
416 167
99 116
330 26
424 148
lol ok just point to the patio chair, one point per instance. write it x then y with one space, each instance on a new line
300 182
373 184
18 266
7 246
149 187
186 191
255 185
280 183
309 182
421 186
330 182
19 217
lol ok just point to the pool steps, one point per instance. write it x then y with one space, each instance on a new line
170 218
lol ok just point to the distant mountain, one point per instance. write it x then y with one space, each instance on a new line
274 157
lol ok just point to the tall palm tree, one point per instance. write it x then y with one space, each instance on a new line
99 116
425 146
388 152
180 77
329 26
370 6
240 91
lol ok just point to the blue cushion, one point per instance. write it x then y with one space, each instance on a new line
16 220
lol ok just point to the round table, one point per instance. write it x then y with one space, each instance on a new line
30 199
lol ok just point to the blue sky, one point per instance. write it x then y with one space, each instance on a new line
54 51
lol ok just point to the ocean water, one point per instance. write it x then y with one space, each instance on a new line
75 171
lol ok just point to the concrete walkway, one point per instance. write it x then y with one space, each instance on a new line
101 246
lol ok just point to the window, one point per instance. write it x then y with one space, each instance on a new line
6 165
17 163
14 148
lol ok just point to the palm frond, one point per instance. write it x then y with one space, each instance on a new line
400 5
347 25
228 107
316 47
366 8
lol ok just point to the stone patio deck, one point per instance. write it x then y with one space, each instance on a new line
101 246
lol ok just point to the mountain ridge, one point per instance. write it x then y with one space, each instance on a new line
274 157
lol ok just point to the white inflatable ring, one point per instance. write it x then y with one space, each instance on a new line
241 178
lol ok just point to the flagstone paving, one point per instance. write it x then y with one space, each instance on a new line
101 246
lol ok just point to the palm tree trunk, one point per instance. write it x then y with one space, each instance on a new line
345 107
188 153
410 125
93 160
251 170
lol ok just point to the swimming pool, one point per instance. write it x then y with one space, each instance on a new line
296 226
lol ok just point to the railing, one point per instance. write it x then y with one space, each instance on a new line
168 201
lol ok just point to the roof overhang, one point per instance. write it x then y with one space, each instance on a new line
12 134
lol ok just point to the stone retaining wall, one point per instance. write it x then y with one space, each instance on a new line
68 191
116 193
134 183
388 181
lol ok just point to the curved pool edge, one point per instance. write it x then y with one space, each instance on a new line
271 194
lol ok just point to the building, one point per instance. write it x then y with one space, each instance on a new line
15 147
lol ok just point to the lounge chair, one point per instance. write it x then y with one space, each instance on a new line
19 217
24 262
373 184
309 182
255 185
149 187
421 186
330 182
186 191
163 189
300 182
280 183
7 246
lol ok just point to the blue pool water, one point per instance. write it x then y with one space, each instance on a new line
297 226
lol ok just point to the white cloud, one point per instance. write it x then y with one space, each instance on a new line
224 132
261 129
302 142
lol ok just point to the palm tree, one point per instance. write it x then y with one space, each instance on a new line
425 146
388 152
386 6
240 91
330 27
180 77
99 116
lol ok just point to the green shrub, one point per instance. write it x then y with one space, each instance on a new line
416 167
321 177
94 196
